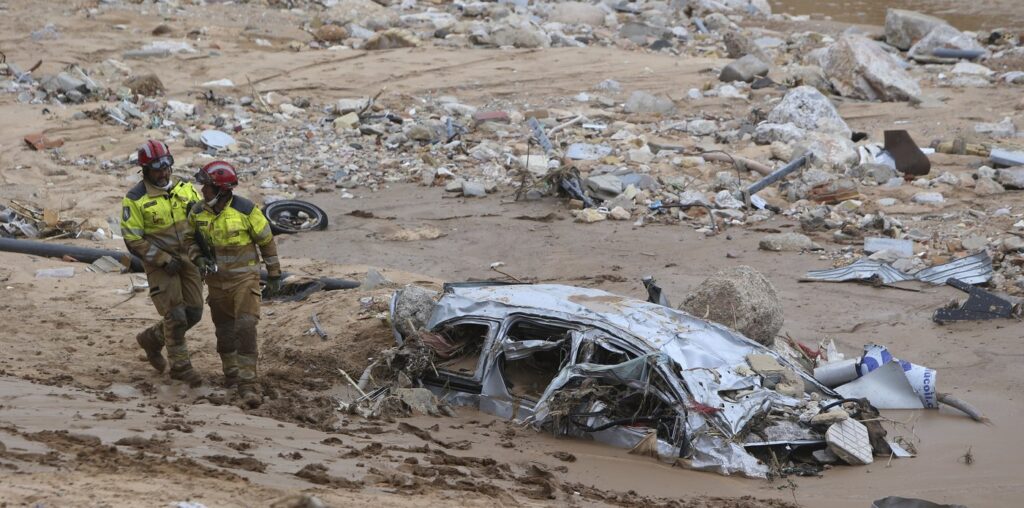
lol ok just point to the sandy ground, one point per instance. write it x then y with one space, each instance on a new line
83 421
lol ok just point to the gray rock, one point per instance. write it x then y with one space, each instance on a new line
639 32
739 298
344 106
577 13
859 68
604 186
1002 129
738 45
392 38
523 35
701 127
974 242
717 21
692 197
1011 178
1012 244
768 133
828 150
643 102
986 186
419 132
928 198
413 307
878 173
473 189
809 75
749 7
904 28
790 242
806 108
943 36
587 151
745 69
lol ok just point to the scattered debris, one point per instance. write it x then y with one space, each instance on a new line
980 305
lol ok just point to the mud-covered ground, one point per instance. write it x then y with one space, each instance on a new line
84 421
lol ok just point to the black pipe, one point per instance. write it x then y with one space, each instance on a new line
89 255
59 250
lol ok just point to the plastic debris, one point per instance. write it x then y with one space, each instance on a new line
216 140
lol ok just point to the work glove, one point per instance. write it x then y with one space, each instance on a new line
173 266
273 286
204 265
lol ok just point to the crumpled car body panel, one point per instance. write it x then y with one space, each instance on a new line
566 358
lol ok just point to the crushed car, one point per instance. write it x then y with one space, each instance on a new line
622 371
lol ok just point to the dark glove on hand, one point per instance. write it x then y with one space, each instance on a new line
273 286
203 265
173 266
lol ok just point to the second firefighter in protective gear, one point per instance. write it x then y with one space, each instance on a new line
227 236
153 222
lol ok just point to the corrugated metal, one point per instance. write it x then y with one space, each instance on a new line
974 269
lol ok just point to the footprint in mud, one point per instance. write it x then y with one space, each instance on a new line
246 463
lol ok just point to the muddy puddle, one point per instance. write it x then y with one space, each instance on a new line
975 15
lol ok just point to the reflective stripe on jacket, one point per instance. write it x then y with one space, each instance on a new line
238 235
154 221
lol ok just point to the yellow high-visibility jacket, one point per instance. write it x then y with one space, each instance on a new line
154 221
238 236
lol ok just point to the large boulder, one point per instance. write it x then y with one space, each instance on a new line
904 28
740 298
947 37
577 13
807 108
859 68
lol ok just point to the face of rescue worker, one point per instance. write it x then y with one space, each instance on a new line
159 176
209 192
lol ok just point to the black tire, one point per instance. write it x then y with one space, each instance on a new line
283 217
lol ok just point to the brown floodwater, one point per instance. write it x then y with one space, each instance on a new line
963 14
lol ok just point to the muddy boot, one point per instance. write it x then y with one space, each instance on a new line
153 344
186 374
248 396
229 363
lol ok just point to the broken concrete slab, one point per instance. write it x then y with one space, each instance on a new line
904 28
859 68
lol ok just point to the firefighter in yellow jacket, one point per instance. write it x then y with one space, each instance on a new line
154 219
227 237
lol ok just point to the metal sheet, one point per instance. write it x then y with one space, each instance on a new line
862 269
886 387
975 269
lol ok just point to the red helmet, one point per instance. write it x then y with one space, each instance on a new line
219 174
155 155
